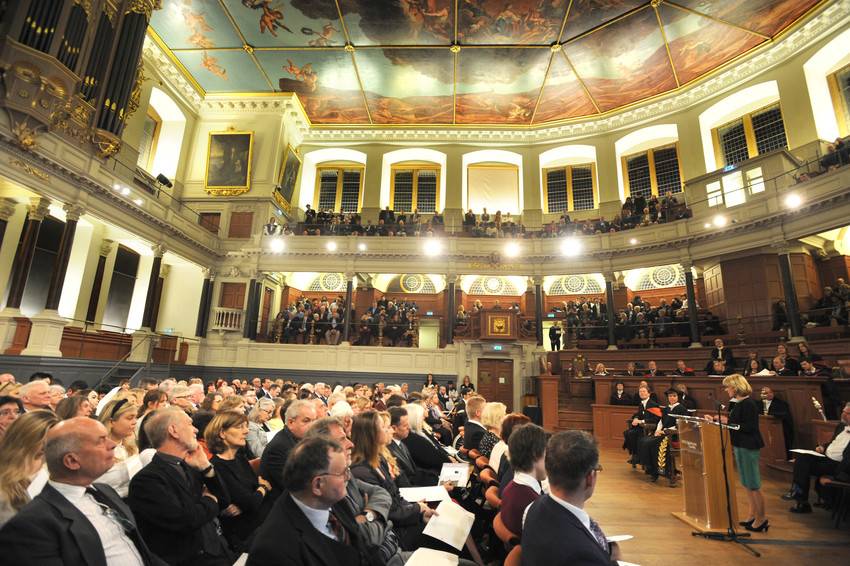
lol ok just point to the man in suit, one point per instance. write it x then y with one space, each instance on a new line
72 520
411 475
718 367
178 497
779 409
652 370
684 397
298 417
369 504
648 412
836 463
720 352
557 530
683 370
306 527
473 430
654 450
781 369
555 336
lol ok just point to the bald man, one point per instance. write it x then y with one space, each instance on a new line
73 520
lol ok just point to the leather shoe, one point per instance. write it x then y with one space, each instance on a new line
801 507
789 496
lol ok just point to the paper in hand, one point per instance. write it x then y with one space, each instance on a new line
809 452
619 538
458 474
451 524
415 494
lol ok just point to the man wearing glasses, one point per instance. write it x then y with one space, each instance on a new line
75 521
305 527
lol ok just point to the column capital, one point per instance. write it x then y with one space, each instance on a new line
208 273
106 247
164 270
452 278
73 211
7 208
350 276
38 208
781 248
158 250
536 279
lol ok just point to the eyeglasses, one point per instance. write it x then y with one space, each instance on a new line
345 474
10 412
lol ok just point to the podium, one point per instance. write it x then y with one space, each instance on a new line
702 476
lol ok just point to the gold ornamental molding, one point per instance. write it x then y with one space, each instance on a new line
29 169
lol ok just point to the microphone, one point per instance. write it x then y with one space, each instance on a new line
719 405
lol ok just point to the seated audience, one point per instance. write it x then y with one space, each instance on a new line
306 526
178 496
491 418
557 529
226 437
22 448
474 431
779 409
299 416
752 367
684 397
500 455
655 449
780 369
528 449
74 406
722 353
74 520
258 430
119 418
718 367
683 370
35 395
425 450
619 395
648 412
409 474
835 464
787 361
652 369
10 409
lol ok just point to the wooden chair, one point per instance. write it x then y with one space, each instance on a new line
506 536
492 497
482 462
255 465
514 557
488 477
473 454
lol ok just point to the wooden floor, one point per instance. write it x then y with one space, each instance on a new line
627 503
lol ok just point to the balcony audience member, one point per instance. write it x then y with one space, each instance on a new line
298 417
787 361
620 397
652 369
654 451
835 464
753 367
746 445
73 520
178 496
491 417
22 448
718 367
557 529
779 409
555 336
527 446
648 412
226 437
258 430
720 352
600 369
35 395
682 369
780 369
372 463
806 353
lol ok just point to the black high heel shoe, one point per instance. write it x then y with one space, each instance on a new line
760 529
747 523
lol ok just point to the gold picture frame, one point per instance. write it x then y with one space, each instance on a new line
228 166
290 171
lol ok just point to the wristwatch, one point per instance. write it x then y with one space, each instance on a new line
370 516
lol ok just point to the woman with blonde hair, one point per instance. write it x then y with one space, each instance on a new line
258 430
746 444
119 418
233 403
491 418
22 448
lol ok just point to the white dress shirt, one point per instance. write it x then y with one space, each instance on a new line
496 453
117 546
580 513
318 518
835 450
528 480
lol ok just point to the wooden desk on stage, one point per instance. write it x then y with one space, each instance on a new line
797 391
823 431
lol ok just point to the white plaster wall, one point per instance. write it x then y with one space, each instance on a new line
181 297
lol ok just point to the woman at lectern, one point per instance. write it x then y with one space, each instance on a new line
746 444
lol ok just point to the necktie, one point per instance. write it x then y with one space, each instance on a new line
599 535
337 529
126 525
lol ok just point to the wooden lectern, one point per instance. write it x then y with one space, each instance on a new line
702 476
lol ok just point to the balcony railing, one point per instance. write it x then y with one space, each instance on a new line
228 320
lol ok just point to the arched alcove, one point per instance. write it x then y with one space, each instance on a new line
488 191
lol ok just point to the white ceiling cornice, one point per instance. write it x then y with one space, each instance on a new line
169 73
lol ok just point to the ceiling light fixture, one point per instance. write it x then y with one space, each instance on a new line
719 221
432 248
331 246
138 202
633 241
571 247
125 191
277 245
512 249
361 246
793 201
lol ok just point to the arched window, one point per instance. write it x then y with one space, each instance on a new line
828 81
569 179
413 178
649 161
333 179
162 136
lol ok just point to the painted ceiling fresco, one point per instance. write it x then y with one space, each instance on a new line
470 62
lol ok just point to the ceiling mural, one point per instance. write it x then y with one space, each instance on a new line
442 62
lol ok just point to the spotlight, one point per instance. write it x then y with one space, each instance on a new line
512 249
163 180
571 247
277 245
707 225
633 241
125 191
331 246
116 187
361 246
793 201
719 221
138 202
432 248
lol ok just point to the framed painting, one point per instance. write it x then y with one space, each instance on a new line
289 170
228 171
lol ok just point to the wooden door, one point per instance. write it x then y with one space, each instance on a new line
268 295
232 296
496 381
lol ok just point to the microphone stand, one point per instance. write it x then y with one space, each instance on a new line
731 535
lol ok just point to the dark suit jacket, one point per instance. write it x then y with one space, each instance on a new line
408 475
287 538
174 518
50 531
273 459
726 356
472 435
552 535
427 455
